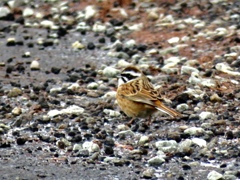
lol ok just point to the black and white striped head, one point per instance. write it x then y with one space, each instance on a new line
128 74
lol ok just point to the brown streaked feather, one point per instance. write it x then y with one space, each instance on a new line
161 107
141 90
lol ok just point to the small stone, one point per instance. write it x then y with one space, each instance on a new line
55 70
208 82
4 128
74 87
148 173
185 146
194 131
173 40
206 115
161 154
47 23
4 11
77 147
214 175
215 98
76 110
153 16
122 127
143 140
21 140
151 52
188 70
110 72
224 67
122 63
73 109
77 45
16 111
195 78
229 177
156 161
136 27
28 12
91 46
99 27
35 65
90 11
167 146
26 54
182 107
130 43
111 113
92 85
199 142
11 41
14 92
110 95
63 143
91 146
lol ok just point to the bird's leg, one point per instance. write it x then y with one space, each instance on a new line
130 122
149 120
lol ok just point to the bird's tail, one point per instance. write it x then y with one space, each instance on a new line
161 107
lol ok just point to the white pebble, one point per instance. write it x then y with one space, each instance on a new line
122 127
76 110
110 72
130 43
143 140
172 60
92 85
73 110
111 94
77 45
199 142
74 87
182 107
224 67
194 78
167 146
136 27
16 111
4 11
35 65
156 161
188 70
214 175
98 27
185 146
208 82
111 113
90 11
194 131
173 40
122 63
91 146
28 12
47 24
206 115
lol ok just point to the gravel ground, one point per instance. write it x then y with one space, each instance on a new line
59 62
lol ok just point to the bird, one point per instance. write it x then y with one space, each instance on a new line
137 97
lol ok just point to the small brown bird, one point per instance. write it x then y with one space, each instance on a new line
137 97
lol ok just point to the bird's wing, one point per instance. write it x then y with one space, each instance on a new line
140 90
